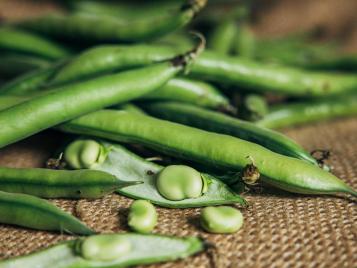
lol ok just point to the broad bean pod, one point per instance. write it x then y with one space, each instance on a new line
222 36
309 111
217 122
177 89
102 28
124 10
67 102
217 150
15 40
144 249
131 168
234 71
49 183
33 212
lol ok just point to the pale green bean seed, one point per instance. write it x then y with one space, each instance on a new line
178 182
142 216
83 154
221 219
105 247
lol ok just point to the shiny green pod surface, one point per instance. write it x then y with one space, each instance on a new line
221 123
35 213
144 249
217 150
49 183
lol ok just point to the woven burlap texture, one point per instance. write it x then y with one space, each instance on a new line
280 230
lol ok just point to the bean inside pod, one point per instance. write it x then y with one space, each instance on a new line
178 182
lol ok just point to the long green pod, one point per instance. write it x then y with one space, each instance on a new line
19 41
105 59
216 150
132 168
49 183
311 111
33 212
222 36
221 123
67 102
177 89
124 10
190 91
262 77
236 71
102 28
145 249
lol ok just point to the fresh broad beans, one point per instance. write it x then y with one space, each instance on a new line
221 219
235 71
260 77
15 40
102 28
33 212
177 89
104 247
124 10
131 168
67 102
49 183
217 150
244 43
109 250
310 111
142 216
105 59
222 37
85 154
217 122
191 91
178 182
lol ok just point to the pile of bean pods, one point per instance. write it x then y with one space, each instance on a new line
161 116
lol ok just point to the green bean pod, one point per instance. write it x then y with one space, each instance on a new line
15 40
222 37
131 168
307 112
262 77
244 43
49 183
234 71
177 89
145 249
102 28
221 123
105 59
33 212
67 102
216 150
124 10
190 91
